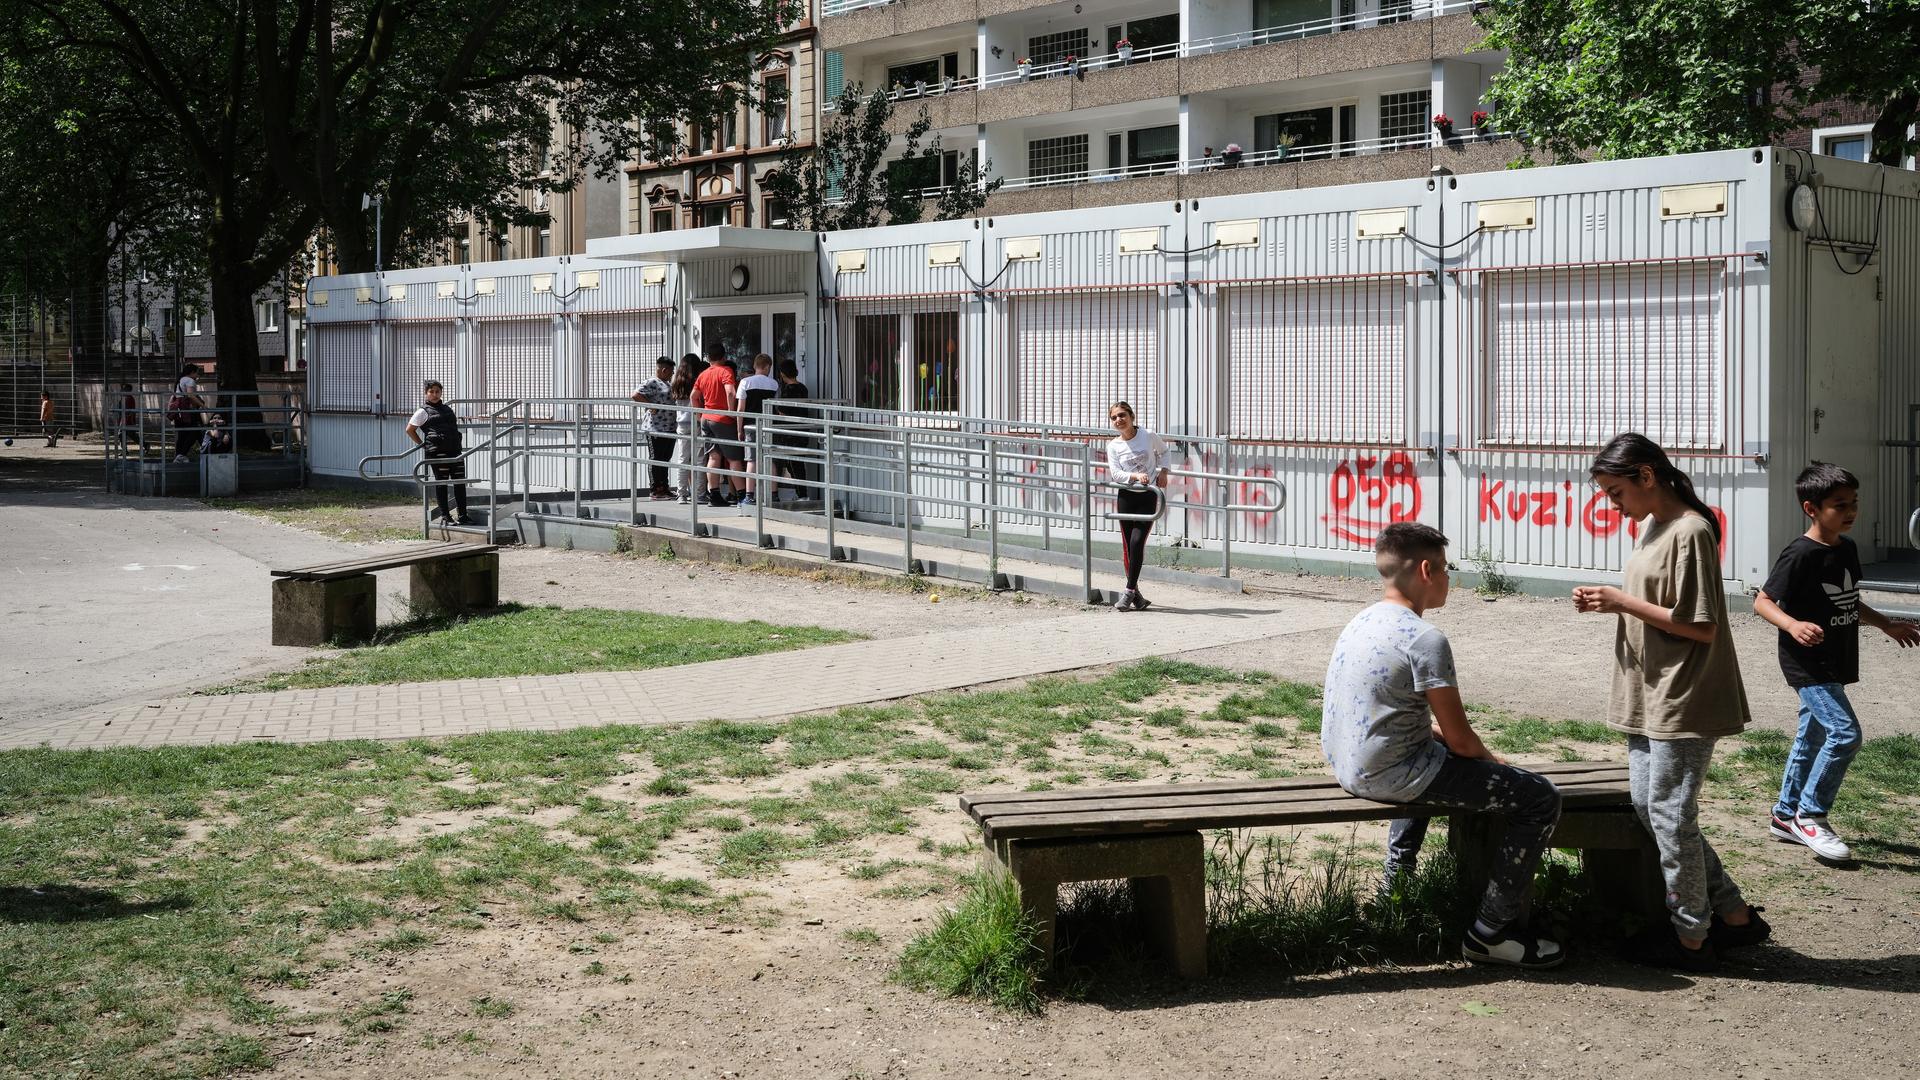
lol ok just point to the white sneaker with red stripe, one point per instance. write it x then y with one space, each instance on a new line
1816 834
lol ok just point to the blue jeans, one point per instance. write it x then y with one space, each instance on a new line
1828 739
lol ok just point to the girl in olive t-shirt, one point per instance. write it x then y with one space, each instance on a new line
1676 689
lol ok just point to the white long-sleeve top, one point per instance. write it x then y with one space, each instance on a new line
1145 453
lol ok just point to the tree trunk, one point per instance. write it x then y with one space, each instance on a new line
238 366
1889 137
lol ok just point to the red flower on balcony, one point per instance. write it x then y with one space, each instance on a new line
1442 122
1481 118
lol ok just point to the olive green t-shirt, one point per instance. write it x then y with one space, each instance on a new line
1669 687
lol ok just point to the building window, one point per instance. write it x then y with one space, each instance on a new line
1057 158
936 360
1053 48
1404 117
500 246
466 249
1150 33
876 361
716 214
929 71
1853 143
930 174
773 108
705 139
196 324
1308 128
1150 148
661 220
266 316
773 214
1393 11
543 244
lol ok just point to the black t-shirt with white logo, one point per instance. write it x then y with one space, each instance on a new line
1821 585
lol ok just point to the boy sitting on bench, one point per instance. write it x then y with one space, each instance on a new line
1394 730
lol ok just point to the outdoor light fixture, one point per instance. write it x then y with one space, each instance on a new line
945 254
1237 233
586 279
1693 200
363 296
1020 248
317 298
396 293
483 287
850 262
1507 214
653 275
543 283
1139 241
445 289
739 277
1380 224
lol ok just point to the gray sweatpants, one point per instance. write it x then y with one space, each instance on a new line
1665 776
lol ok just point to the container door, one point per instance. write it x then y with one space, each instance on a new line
1843 382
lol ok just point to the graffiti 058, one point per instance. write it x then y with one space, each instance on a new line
1369 492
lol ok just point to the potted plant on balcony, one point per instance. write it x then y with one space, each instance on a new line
1230 157
1283 143
946 85
1025 65
1125 49
1482 123
1443 124
1073 65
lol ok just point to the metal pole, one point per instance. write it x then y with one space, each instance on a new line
695 462
1046 501
1226 516
755 485
906 491
1086 521
633 471
526 457
577 465
826 484
993 515
493 473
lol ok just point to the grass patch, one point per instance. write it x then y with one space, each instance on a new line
982 947
341 514
1875 807
537 641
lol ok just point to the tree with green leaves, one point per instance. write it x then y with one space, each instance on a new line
846 182
283 114
1625 78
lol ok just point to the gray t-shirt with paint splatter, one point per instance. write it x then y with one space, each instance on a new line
1375 729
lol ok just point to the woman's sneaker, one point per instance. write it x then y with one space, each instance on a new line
1815 833
1518 949
1140 601
1125 603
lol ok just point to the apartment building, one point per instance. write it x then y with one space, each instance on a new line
591 207
1089 104
719 179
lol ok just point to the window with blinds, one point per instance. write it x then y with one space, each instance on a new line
421 351
1574 357
1072 356
516 358
622 351
340 367
1324 362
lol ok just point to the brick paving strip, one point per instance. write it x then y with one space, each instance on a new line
743 688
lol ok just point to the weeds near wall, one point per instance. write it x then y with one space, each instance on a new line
1493 580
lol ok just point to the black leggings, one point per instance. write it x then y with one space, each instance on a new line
1133 534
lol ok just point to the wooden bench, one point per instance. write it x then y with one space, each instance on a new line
333 602
1150 834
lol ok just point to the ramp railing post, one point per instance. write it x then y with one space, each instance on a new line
1086 521
1226 515
993 514
826 484
633 464
906 491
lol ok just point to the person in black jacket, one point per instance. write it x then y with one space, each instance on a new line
434 428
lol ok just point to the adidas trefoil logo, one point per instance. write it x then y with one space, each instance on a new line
1845 597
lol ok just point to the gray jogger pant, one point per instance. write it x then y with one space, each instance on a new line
1665 776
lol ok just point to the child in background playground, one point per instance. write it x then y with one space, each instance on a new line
1139 460
46 418
1676 689
1813 596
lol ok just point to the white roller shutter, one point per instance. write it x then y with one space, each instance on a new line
421 351
1322 362
621 351
516 358
340 371
1574 357
1072 356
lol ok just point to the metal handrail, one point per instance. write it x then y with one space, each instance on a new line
861 452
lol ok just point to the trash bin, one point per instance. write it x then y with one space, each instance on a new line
219 474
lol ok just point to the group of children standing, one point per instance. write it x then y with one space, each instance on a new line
724 445
1394 729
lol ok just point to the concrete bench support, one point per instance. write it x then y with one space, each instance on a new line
323 612
457 586
1619 856
1167 873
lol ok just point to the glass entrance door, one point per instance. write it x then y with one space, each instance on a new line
744 330
738 334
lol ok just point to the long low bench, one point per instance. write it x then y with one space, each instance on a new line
335 602
1150 834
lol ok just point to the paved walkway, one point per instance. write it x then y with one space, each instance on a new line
743 688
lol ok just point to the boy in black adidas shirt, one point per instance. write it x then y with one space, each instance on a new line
1813 596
